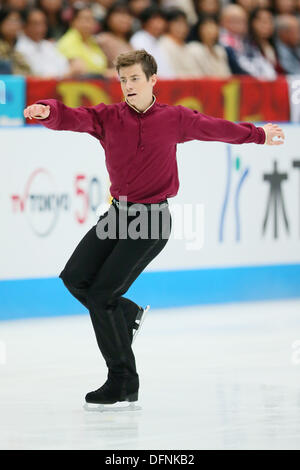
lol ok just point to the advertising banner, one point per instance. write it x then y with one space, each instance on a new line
238 205
51 186
12 100
236 99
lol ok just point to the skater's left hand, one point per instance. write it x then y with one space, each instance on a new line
272 130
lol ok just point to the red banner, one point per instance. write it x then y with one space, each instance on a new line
236 99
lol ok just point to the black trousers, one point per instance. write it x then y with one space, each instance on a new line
101 270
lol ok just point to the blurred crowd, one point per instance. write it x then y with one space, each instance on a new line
188 38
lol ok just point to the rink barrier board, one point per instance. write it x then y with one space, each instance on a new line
48 297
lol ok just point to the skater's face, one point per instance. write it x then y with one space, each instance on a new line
136 88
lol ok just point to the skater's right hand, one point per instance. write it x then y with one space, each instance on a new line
37 111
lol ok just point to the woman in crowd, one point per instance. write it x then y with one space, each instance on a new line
180 59
210 57
11 61
261 34
53 10
136 7
117 29
208 7
19 5
284 7
79 43
100 8
248 5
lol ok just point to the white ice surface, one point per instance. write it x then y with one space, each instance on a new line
211 377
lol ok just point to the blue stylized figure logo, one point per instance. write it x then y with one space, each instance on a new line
236 195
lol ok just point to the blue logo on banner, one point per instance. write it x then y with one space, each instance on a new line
12 100
242 177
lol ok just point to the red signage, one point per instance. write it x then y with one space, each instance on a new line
239 98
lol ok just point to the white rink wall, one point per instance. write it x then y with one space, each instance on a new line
236 221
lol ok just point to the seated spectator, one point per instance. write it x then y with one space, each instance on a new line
243 57
79 43
288 43
100 8
284 7
173 44
53 10
19 5
188 6
233 27
42 56
136 7
210 57
261 35
248 5
117 27
11 60
265 4
297 8
154 24
208 7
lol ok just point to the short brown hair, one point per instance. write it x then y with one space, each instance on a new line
142 57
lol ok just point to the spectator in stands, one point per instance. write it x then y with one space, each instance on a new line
53 10
154 25
284 7
70 5
79 44
210 57
261 34
208 7
137 6
42 55
19 5
244 57
173 43
100 8
188 6
247 5
117 29
11 60
233 33
264 4
234 26
288 43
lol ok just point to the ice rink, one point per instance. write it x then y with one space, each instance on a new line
211 377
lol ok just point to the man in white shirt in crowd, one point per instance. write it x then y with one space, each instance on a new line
154 25
41 55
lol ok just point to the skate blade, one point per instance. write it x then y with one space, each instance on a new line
140 318
115 407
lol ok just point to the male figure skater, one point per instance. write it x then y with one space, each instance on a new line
139 137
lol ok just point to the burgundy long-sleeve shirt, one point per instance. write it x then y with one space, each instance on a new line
140 147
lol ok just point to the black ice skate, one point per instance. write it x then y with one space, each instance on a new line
139 321
110 395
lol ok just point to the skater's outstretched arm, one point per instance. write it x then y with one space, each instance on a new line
194 125
56 115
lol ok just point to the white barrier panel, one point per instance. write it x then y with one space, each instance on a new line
51 186
238 205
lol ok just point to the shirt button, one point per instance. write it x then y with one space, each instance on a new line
142 148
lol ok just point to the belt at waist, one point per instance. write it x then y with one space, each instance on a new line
148 206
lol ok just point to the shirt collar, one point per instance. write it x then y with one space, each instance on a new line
142 112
